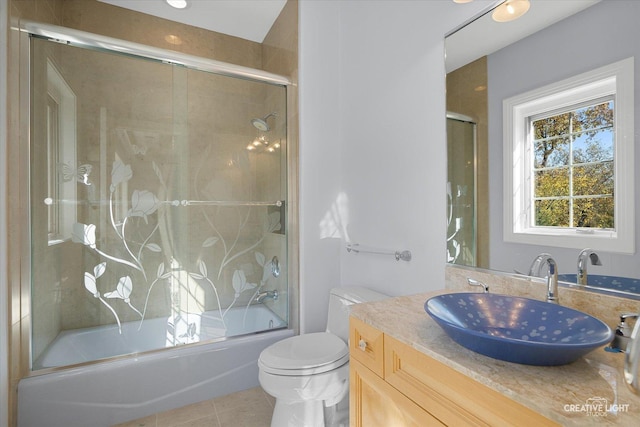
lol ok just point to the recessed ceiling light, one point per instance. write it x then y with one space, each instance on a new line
173 39
178 4
510 10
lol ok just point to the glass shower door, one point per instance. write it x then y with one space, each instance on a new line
461 191
157 207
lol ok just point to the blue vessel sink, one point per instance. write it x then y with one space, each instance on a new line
519 330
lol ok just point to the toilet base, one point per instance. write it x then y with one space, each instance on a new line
310 413
337 415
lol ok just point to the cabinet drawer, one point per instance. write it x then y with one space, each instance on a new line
366 345
450 396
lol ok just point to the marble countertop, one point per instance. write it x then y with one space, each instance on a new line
560 393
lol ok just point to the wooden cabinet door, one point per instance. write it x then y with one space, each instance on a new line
374 403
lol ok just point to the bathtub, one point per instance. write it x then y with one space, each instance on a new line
137 385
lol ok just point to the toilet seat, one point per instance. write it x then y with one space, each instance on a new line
305 354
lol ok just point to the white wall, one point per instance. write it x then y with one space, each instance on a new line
372 144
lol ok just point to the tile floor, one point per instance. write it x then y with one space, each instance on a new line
248 408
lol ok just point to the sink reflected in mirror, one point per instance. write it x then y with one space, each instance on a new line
608 283
516 329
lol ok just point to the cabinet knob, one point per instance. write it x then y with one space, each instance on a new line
362 344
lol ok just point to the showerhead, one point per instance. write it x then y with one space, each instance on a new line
261 124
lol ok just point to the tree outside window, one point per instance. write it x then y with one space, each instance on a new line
574 168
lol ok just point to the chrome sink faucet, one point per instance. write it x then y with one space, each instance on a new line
473 282
545 259
581 278
622 335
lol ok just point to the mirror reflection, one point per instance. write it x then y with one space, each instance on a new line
489 62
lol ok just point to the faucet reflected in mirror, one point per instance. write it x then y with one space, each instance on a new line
582 264
476 90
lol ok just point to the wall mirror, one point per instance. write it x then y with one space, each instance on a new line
488 62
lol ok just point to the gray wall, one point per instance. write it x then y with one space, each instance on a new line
600 35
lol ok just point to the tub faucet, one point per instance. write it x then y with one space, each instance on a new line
266 294
581 278
552 274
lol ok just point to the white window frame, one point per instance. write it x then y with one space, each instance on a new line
615 79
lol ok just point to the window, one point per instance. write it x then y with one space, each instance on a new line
568 168
573 169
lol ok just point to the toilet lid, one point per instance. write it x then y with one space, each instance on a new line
305 354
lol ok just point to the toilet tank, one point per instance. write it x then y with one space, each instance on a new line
340 302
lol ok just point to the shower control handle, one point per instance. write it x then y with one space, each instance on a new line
275 267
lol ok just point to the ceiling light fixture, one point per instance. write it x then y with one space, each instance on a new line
462 1
261 144
178 4
173 39
510 10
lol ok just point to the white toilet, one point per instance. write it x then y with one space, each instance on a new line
309 374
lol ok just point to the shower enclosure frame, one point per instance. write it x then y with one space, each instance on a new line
86 40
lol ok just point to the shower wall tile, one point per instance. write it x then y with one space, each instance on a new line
39 10
16 370
19 297
113 21
13 236
13 158
219 46
280 46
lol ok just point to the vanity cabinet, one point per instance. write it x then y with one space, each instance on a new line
393 384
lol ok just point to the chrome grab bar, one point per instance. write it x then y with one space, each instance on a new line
399 255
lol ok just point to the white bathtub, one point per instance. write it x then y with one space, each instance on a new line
85 345
126 388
